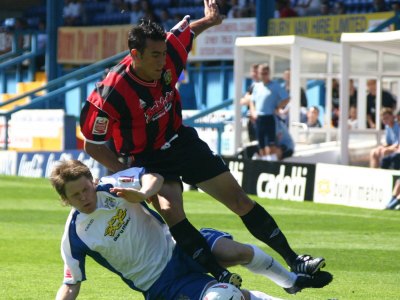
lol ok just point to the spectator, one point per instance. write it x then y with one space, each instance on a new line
267 98
325 9
148 12
379 6
394 202
352 93
284 141
224 7
306 7
353 122
335 99
388 101
41 45
335 103
392 131
284 9
312 117
166 20
340 8
245 100
303 97
135 13
73 13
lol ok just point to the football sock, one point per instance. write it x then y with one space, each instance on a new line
265 265
262 226
195 245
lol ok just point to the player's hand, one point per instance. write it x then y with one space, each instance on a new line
232 278
129 194
211 11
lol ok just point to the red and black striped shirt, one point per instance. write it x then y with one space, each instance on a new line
139 115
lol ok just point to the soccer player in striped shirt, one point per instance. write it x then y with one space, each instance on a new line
138 105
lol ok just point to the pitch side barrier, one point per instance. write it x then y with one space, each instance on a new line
321 183
40 164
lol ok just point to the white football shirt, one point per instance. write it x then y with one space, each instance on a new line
127 238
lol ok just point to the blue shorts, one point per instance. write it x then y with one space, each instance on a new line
184 278
188 157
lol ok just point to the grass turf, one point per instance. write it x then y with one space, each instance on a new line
361 247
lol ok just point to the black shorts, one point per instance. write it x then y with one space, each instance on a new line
188 158
266 131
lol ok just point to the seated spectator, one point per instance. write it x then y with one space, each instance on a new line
284 9
325 8
284 143
392 131
352 93
224 7
353 123
303 99
312 117
379 6
148 11
340 8
306 7
388 101
135 13
73 13
166 20
41 45
394 202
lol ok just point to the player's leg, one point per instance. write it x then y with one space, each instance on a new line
170 205
229 252
258 221
208 171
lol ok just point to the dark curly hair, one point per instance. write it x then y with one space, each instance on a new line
138 35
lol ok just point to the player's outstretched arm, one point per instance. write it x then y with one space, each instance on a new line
68 291
151 184
211 18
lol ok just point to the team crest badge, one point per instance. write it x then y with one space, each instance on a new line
100 126
167 77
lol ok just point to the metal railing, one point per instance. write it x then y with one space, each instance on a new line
58 87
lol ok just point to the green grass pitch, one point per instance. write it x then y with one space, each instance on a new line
361 247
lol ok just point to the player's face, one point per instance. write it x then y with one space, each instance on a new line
149 64
81 194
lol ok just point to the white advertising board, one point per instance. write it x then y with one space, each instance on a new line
218 42
26 125
353 186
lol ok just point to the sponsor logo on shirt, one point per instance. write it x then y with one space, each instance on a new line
110 203
167 77
100 126
88 225
117 224
160 107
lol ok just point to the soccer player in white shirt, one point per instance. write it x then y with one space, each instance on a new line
112 223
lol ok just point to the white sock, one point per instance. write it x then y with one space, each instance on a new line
256 295
264 264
